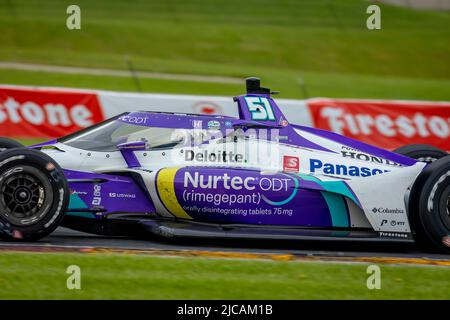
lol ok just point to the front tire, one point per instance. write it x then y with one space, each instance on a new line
430 206
33 195
421 152
6 143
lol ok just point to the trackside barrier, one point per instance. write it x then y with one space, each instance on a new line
46 112
385 123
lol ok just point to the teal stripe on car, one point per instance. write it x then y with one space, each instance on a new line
334 193
338 209
339 187
75 202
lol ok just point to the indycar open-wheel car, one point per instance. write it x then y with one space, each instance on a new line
256 176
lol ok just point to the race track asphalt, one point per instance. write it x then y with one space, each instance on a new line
64 238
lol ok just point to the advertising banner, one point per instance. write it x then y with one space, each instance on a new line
46 113
40 112
387 124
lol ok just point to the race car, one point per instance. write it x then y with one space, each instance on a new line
258 176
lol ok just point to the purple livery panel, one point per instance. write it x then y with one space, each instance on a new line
225 195
99 194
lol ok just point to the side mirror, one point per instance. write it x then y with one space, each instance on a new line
127 150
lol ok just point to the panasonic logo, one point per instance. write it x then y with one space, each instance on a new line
316 165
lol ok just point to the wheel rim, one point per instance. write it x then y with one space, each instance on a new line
24 196
444 207
427 159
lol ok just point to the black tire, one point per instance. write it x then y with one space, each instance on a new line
6 143
429 210
421 152
33 195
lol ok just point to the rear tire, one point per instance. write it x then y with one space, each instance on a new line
6 143
33 195
421 152
429 207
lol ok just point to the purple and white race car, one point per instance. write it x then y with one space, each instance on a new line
257 177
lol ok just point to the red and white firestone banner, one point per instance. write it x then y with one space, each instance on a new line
46 113
42 112
387 124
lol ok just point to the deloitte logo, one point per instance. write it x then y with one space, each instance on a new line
215 157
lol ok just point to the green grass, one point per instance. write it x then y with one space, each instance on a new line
314 35
318 85
325 42
30 141
105 276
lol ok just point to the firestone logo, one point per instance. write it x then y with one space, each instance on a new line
51 113
417 125
393 235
